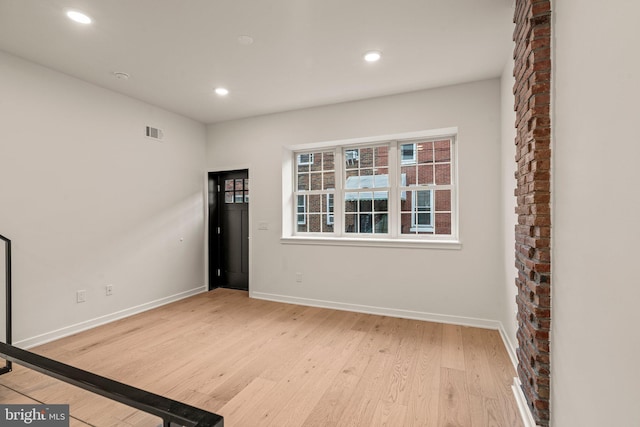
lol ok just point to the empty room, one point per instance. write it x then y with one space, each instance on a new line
319 213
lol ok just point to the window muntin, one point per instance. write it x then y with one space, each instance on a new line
398 189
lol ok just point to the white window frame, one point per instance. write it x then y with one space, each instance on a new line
394 238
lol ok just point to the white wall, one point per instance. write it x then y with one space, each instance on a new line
509 217
89 201
596 289
465 283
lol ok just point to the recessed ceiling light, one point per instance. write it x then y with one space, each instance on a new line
372 56
221 91
78 17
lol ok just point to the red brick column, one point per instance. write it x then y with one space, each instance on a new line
532 91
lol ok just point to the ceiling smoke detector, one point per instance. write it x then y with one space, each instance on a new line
245 40
121 76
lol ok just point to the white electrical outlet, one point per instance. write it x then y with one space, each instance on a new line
108 290
81 296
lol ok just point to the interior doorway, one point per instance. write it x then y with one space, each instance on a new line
228 238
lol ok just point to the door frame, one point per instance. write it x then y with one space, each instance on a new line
206 221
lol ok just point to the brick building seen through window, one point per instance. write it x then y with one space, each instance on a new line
361 189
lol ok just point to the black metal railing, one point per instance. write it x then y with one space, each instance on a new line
8 328
171 411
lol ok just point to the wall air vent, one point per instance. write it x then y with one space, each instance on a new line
154 133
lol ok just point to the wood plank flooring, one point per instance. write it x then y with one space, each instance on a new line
261 363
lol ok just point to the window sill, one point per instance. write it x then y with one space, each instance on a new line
380 243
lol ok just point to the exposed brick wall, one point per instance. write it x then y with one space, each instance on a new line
532 71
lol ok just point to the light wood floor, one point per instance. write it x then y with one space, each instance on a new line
260 363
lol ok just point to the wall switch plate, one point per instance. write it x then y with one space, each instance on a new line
108 290
298 277
263 225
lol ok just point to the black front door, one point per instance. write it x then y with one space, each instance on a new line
229 229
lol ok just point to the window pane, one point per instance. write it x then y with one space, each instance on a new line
316 164
443 200
302 224
366 202
366 157
381 223
228 197
381 156
425 174
351 202
405 223
408 175
329 181
328 161
425 152
442 151
424 199
303 182
405 201
408 153
350 224
352 180
314 203
327 223
381 201
443 174
351 158
366 223
316 181
305 159
315 225
367 172
443 223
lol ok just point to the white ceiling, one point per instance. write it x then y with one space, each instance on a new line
306 52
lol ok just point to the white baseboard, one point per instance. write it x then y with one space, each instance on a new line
382 311
511 349
92 323
525 413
